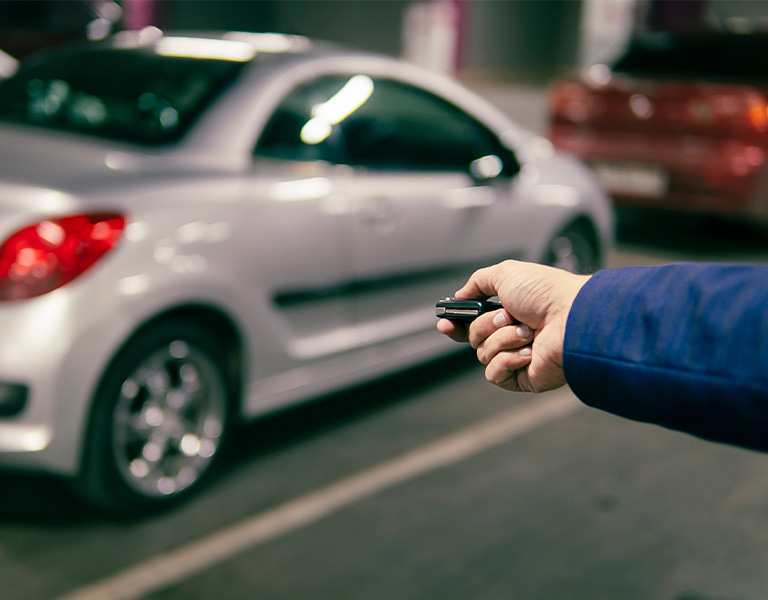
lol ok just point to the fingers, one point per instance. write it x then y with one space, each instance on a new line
478 331
504 346
454 330
508 371
506 332
514 341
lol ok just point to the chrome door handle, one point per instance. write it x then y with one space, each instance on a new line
379 214
468 197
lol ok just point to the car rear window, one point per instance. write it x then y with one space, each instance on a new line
130 95
728 57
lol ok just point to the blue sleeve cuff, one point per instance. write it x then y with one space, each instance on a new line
683 346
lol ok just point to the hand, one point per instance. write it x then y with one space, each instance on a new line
521 344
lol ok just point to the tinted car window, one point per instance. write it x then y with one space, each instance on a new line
378 124
126 94
686 56
285 136
404 128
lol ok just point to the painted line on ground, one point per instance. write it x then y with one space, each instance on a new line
164 570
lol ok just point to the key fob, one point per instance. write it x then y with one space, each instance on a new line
463 310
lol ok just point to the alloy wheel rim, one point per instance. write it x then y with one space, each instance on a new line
169 420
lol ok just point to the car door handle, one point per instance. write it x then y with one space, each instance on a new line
468 197
379 214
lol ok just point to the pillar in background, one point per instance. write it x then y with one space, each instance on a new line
432 34
140 13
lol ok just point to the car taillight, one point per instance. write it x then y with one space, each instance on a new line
757 112
738 111
44 256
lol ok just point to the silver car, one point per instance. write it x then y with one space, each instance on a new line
197 230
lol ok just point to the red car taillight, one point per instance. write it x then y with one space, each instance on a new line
44 256
757 112
735 110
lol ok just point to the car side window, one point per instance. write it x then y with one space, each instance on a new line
285 134
401 127
379 124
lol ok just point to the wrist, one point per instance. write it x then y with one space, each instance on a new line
568 296
577 282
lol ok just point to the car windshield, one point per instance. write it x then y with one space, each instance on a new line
130 95
704 56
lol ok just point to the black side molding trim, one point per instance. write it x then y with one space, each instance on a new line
391 281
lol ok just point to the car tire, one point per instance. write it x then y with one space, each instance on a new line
159 420
574 249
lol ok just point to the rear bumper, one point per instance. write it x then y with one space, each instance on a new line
51 355
674 172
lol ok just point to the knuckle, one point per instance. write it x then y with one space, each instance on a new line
484 356
508 361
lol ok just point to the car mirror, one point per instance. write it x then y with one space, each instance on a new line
486 167
492 166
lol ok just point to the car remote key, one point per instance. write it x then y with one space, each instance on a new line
463 310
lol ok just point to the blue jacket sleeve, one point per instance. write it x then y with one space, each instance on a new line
683 346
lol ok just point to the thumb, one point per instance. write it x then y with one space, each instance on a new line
480 285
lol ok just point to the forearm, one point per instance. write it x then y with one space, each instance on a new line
682 346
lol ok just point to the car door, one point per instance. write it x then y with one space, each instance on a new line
426 182
299 265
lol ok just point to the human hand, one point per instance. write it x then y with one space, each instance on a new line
521 345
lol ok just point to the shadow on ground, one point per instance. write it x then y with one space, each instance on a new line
324 414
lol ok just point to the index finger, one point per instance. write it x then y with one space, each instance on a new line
486 324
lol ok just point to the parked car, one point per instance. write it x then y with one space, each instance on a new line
198 230
678 123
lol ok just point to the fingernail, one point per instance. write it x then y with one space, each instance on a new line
500 319
525 351
524 331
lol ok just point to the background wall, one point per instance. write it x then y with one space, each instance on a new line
518 39
521 38
368 24
511 37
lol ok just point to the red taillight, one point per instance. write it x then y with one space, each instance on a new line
757 112
737 110
44 256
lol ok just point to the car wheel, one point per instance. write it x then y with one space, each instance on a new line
159 420
574 249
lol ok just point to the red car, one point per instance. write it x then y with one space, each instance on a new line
679 122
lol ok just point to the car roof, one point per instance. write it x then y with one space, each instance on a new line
233 45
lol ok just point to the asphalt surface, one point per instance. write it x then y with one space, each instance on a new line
432 484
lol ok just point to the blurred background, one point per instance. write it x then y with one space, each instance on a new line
583 507
525 56
498 38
